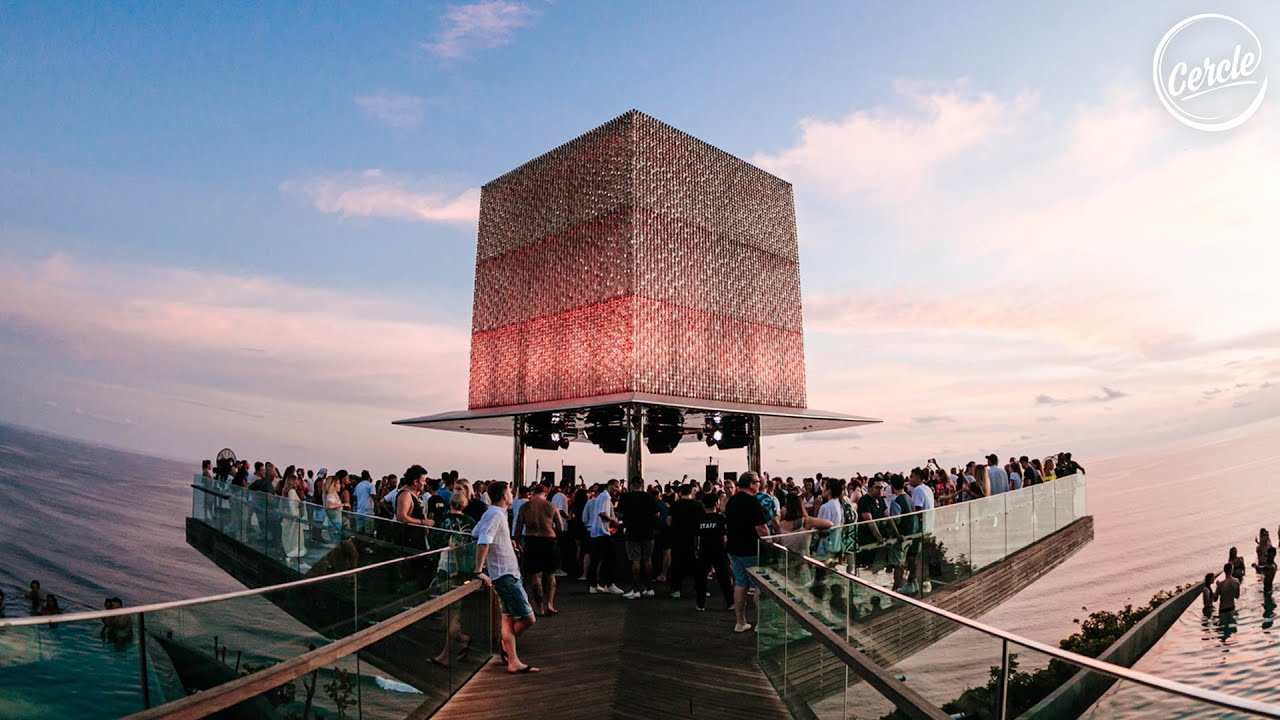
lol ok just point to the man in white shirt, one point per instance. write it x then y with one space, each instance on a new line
996 476
564 542
496 553
600 519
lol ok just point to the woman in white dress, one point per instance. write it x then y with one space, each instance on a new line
292 526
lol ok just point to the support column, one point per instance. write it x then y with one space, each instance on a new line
753 447
517 458
635 444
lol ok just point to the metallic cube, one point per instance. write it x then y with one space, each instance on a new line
636 258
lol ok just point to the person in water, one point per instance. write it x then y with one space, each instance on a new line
1236 561
35 598
1207 594
50 606
1228 590
118 628
1268 570
1263 542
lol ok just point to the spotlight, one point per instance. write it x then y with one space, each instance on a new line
606 428
727 432
545 432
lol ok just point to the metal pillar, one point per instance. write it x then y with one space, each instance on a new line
635 443
517 458
753 447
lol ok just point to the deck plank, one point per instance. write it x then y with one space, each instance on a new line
606 657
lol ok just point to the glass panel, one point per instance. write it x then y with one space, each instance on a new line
1042 505
988 526
1019 520
946 549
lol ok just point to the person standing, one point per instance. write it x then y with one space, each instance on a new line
1228 590
600 521
996 476
639 514
537 523
564 541
746 524
496 553
710 552
682 529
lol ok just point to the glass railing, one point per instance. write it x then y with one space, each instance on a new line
950 543
307 538
113 663
834 665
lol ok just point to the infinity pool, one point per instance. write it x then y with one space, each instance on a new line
1238 657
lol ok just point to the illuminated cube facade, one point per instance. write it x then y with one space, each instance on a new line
636 258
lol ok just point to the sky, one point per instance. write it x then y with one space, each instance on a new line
254 226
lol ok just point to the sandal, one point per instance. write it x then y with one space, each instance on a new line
524 670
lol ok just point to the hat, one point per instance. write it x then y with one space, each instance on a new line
992 458
322 473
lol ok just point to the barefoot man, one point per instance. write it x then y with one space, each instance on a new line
497 555
537 524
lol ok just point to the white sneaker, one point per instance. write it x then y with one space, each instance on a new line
596 589
561 573
648 593
615 590
741 628
675 594
631 595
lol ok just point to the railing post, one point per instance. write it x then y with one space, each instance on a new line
1004 680
142 661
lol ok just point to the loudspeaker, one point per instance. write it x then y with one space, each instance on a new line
713 473
548 477
730 475
569 474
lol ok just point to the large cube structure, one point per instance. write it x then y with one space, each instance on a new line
637 259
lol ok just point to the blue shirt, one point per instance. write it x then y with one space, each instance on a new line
364 497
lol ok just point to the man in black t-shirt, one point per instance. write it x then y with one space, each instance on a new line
746 525
682 524
639 512
437 508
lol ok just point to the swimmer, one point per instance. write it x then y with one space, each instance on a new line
34 597
1237 564
1207 594
1264 542
50 606
1268 570
1228 590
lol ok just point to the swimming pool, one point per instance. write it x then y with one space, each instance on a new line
1236 656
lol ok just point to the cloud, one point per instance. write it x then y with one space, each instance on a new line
1048 400
892 152
485 24
1047 419
375 193
1108 395
394 109
931 419
79 412
168 325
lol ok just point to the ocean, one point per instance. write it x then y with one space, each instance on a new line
90 522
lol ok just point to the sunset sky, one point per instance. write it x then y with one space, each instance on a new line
255 226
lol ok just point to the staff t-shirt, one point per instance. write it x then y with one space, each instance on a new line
743 515
711 530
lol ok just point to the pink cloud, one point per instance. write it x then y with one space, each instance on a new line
375 193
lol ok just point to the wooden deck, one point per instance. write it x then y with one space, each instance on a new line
605 657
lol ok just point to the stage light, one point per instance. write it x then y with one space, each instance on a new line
663 429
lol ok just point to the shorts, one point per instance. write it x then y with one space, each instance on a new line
896 555
739 564
638 550
539 555
515 603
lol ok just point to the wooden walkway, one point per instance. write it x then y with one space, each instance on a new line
604 657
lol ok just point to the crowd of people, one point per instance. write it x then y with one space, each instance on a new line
647 534
1225 589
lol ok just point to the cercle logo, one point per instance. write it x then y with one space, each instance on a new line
1208 72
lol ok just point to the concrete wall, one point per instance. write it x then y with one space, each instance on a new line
1084 688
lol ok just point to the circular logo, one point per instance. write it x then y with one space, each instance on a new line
1208 72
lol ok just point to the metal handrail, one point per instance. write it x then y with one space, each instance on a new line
917 513
228 694
1120 672
174 604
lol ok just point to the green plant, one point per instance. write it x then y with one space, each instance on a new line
341 690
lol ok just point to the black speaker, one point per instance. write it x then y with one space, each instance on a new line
730 475
713 473
548 477
569 474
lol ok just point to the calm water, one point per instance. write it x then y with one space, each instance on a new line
89 522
